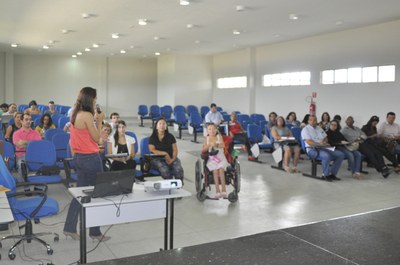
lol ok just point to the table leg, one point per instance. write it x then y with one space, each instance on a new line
166 227
171 225
83 236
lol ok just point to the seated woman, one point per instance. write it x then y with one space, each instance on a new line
216 163
371 131
120 143
162 142
278 131
336 138
32 108
45 123
291 118
14 127
238 133
325 120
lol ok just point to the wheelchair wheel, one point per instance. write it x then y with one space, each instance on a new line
199 175
201 196
233 197
237 176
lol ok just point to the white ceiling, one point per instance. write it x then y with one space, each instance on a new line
33 23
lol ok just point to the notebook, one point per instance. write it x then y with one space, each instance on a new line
112 183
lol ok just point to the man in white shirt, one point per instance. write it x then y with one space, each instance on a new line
214 116
314 136
389 130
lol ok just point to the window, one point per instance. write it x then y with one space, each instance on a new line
359 75
287 79
232 82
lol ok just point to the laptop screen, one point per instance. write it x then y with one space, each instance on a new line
111 183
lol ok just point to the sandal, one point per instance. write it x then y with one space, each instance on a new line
295 170
287 169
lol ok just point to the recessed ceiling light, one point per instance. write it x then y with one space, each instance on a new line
197 41
189 26
46 47
239 8
236 32
65 31
157 53
142 22
115 35
79 53
95 45
156 38
86 15
74 56
51 41
132 46
87 50
14 45
339 22
122 51
184 2
293 17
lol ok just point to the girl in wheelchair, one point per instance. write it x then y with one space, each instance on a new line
216 163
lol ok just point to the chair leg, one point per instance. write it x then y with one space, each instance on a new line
195 137
313 174
141 121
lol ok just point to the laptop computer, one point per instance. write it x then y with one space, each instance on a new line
112 183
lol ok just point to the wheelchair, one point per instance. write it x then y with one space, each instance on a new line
204 178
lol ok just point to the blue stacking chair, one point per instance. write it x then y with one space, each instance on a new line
192 108
34 207
244 120
219 109
48 135
60 141
38 154
22 107
196 122
166 113
56 119
62 121
143 113
136 145
36 122
64 110
181 122
179 108
9 154
204 110
145 167
155 113
255 136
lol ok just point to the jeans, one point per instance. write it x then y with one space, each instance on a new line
326 156
87 166
353 158
168 171
242 137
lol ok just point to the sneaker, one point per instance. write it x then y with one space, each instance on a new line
385 172
327 178
224 195
252 158
333 177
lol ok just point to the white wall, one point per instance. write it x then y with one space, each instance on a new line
122 83
2 76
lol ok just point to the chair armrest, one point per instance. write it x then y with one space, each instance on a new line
29 193
42 186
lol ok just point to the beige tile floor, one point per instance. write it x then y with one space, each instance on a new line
269 199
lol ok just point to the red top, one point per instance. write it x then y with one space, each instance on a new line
82 142
235 128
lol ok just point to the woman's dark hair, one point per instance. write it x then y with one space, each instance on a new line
50 120
371 120
322 116
155 132
84 102
116 135
33 102
305 119
290 113
283 120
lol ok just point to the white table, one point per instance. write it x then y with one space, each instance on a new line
6 215
137 206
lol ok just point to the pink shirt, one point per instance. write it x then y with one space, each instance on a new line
82 142
21 134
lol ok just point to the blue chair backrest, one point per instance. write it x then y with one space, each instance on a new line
22 107
136 145
155 111
144 146
43 109
244 120
204 110
64 109
143 110
36 122
180 117
195 120
166 111
296 132
219 109
227 117
63 120
7 180
48 135
56 119
254 133
60 141
192 108
179 108
9 153
1 136
35 116
11 121
40 153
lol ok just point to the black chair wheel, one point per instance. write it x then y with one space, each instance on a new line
233 197
1 245
11 256
201 196
56 239
50 252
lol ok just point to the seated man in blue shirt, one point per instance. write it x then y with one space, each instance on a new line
214 116
313 135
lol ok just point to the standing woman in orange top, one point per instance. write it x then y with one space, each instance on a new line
85 136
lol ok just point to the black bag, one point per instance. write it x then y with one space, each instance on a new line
48 171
